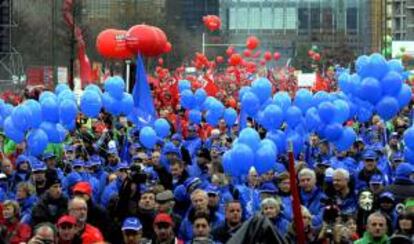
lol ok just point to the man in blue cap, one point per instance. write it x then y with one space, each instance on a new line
403 186
377 184
112 159
22 172
369 169
50 160
132 231
68 157
39 176
177 141
192 142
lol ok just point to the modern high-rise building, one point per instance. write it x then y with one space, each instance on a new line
403 20
285 25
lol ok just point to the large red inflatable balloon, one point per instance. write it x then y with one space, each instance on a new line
167 47
267 56
111 44
212 22
276 56
252 42
150 41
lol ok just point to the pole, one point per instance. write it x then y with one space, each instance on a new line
72 50
203 45
54 71
128 74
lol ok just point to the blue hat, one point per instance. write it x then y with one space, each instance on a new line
370 154
212 189
268 187
38 166
20 159
377 179
122 165
112 150
176 137
192 183
69 148
387 195
131 223
180 193
78 163
403 171
171 148
48 155
72 178
95 160
160 141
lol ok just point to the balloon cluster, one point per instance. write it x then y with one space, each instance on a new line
148 40
212 22
114 99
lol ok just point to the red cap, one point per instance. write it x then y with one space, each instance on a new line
66 219
82 187
163 218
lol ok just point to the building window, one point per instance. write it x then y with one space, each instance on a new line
351 18
303 17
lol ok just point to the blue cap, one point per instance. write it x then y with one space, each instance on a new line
48 155
69 148
192 183
38 166
95 160
370 154
132 223
112 150
387 195
377 179
403 171
212 189
122 165
171 148
21 158
78 163
176 137
268 187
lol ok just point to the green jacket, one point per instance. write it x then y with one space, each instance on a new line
367 239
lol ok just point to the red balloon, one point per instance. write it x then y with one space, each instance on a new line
212 22
267 56
219 59
160 61
167 47
230 50
276 56
316 57
148 40
247 53
111 44
311 53
235 59
231 102
252 42
251 67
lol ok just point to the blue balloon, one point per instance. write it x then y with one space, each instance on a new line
282 99
250 137
409 155
404 97
62 133
47 94
71 126
378 66
409 138
344 82
108 102
200 96
211 119
268 142
392 83
342 111
242 158
36 111
61 87
208 103
387 108
265 159
243 91
279 138
187 99
115 86
297 141
230 116
250 104
37 141
51 131
396 65
21 117
194 116
127 103
12 132
148 137
303 100
184 85
326 112
364 114
370 90
272 117
312 119
94 88
50 110
66 95
320 97
162 128
228 164
262 88
216 109
293 116
91 104
355 84
67 111
333 131
362 66
346 139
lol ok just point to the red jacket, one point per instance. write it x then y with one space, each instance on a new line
91 235
15 232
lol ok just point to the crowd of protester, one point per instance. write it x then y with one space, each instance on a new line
102 186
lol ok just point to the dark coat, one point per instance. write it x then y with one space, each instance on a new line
48 209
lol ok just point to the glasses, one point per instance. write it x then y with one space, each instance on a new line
66 226
163 225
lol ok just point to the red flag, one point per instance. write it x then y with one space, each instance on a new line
320 84
210 88
297 213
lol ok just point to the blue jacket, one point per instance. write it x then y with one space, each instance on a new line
347 205
249 199
286 205
280 224
26 206
110 191
312 201
193 145
186 228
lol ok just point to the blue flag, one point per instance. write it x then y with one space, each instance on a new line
144 113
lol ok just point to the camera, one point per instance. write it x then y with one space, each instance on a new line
330 213
137 175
